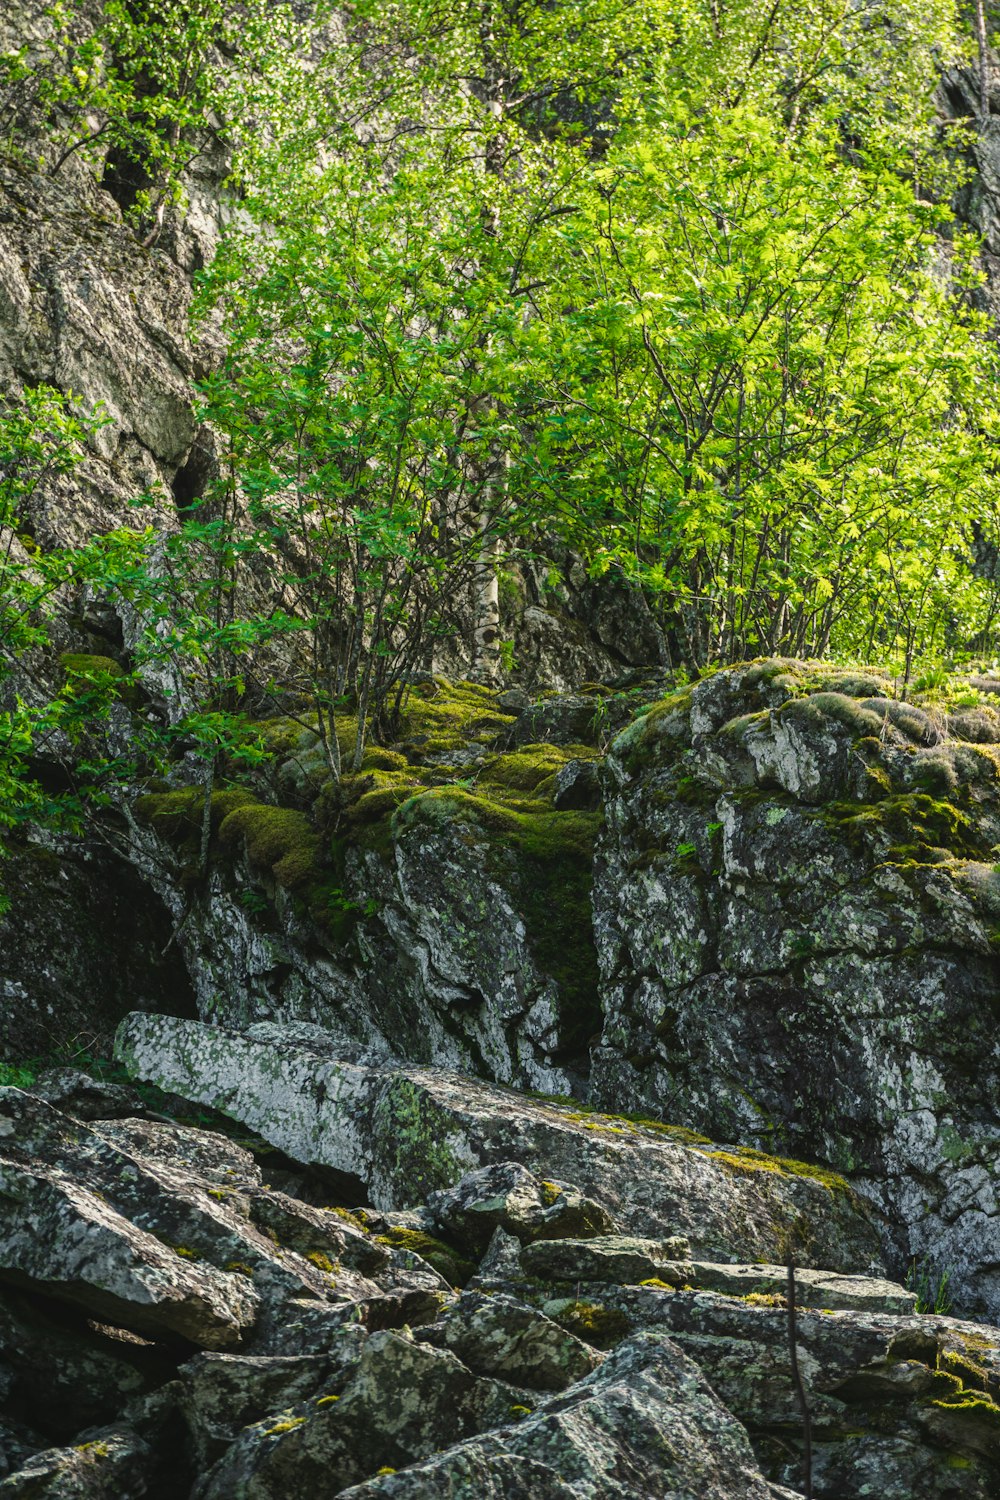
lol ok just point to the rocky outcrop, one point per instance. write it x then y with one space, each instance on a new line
796 906
355 1370
409 1132
82 943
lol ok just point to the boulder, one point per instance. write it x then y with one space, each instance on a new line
407 1132
501 1336
796 905
617 1258
400 1402
509 1197
644 1423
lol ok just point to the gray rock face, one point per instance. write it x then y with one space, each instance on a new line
614 1257
509 1197
796 903
408 1131
498 1335
82 944
645 1423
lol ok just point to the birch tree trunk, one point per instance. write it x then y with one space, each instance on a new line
486 662
984 59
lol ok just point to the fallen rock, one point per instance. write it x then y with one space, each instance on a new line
645 1423
220 1394
112 1464
616 1258
501 1336
401 1402
509 1197
812 1288
407 1132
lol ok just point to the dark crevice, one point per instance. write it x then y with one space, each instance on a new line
195 477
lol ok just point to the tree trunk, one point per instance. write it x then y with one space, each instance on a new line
984 60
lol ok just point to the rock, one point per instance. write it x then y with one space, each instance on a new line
795 909
409 1131
220 1394
578 785
812 1288
617 1258
65 1376
509 1197
85 1097
111 1464
400 1402
645 1423
878 1386
148 1226
498 1335
64 969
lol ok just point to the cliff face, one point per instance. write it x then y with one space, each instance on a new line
757 915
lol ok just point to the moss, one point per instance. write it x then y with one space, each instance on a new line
973 1406
238 1268
321 1262
353 1219
83 664
660 1286
550 1193
440 717
278 839
912 827
326 1400
745 1159
520 1412
454 1267
185 1252
594 1323
286 1426
177 815
971 1376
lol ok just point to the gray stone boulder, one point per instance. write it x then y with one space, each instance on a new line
812 1288
796 907
218 1395
401 1402
500 1335
644 1423
407 1132
111 1463
617 1258
910 1397
170 1231
509 1197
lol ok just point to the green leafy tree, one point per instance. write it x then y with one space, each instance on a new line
785 405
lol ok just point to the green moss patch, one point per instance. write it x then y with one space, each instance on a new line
448 1263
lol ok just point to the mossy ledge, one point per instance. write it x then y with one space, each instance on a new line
500 799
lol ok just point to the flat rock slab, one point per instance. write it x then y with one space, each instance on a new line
812 1288
410 1131
614 1257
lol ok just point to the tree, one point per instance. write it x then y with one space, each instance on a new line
786 412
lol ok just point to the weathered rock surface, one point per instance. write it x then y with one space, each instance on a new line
796 905
509 1197
498 1335
171 1231
408 1131
645 1423
359 1372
